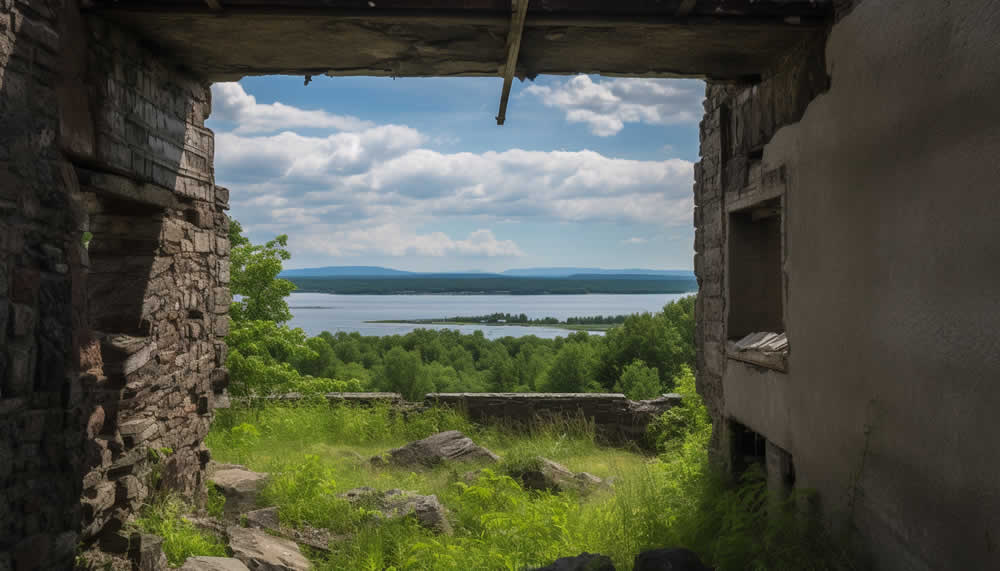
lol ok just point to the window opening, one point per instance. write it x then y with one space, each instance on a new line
756 324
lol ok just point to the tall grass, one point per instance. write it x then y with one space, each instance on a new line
315 451
181 539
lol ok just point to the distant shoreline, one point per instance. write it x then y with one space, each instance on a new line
577 285
570 327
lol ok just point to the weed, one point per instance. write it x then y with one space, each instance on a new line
181 539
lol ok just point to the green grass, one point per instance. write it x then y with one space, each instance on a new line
181 539
314 452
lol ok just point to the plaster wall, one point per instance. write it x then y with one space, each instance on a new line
888 406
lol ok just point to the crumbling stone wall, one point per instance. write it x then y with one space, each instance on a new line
112 348
739 120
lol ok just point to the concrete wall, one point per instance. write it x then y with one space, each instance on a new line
113 349
891 218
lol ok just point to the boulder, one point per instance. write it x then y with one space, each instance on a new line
240 487
393 504
675 559
260 551
213 564
267 519
582 562
449 446
544 474
264 518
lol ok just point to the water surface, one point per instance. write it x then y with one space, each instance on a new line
318 312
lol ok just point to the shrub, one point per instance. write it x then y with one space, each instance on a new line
181 539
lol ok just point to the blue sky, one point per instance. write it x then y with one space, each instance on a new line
414 173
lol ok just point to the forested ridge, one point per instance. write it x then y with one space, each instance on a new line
639 357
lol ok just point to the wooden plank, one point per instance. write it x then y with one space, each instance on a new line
517 16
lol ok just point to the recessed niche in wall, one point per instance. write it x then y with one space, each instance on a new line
756 323
747 448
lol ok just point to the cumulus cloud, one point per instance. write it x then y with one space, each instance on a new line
231 103
365 189
634 241
607 105
394 240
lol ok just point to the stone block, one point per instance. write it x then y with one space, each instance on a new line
221 325
23 322
203 241
223 271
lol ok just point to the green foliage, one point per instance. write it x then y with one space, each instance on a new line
215 502
673 427
639 382
181 539
401 374
254 273
572 370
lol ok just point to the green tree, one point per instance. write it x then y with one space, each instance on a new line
254 277
639 382
400 373
572 369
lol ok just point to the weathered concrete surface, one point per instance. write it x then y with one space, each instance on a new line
887 182
715 38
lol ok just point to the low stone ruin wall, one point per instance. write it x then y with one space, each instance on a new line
615 417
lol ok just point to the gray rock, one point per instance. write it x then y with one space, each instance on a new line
676 559
262 552
544 474
394 504
240 487
213 564
264 518
582 562
449 446
267 519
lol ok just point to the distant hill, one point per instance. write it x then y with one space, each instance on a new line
343 271
571 273
566 272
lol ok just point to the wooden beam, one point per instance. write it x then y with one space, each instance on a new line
685 8
214 5
517 16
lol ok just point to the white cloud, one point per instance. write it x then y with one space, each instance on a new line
634 241
231 103
607 105
367 189
394 240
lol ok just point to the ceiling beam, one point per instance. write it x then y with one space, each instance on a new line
517 16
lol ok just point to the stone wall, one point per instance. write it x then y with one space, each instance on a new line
738 122
615 417
112 347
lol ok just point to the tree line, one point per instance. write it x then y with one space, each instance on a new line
641 356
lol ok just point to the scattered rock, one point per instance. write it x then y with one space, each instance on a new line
447 446
263 552
240 487
264 518
674 559
213 564
544 474
582 562
209 524
267 519
394 504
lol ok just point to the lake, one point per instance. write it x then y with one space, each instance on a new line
318 312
